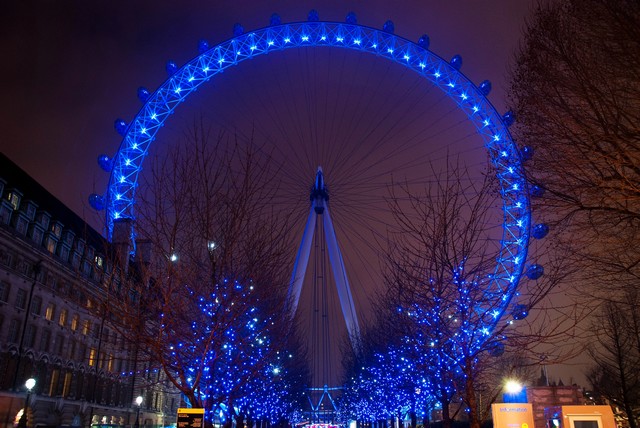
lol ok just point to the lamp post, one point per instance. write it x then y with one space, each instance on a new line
514 392
138 402
29 384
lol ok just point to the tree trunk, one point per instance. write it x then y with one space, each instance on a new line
446 415
470 392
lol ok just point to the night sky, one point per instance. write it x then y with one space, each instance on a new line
71 68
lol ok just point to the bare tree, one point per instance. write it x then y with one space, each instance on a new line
615 374
440 262
576 92
207 298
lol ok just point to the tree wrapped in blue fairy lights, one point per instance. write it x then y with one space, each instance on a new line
442 316
207 300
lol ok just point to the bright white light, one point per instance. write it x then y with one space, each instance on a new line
305 38
287 40
513 387
30 383
211 245
270 42
139 400
357 42
173 257
178 90
340 39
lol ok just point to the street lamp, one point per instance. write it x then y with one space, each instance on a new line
30 383
513 387
138 402
514 392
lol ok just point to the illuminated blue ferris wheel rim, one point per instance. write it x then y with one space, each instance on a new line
505 156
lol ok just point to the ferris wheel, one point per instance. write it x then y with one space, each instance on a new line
367 106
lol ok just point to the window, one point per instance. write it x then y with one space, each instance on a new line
21 225
14 330
99 261
52 281
55 374
110 364
62 320
36 305
86 326
82 350
56 228
5 289
95 331
14 200
59 344
74 322
72 349
31 210
92 356
21 299
51 245
50 312
45 340
67 384
30 336
36 235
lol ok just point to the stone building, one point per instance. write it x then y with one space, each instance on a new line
53 270
544 397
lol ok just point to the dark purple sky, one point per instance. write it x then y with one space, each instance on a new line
71 68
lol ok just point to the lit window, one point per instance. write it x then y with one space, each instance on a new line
14 200
86 326
92 357
62 320
50 312
74 322
56 229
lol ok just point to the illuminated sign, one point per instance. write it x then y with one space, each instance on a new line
512 415
190 418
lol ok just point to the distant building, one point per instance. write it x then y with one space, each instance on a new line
551 396
52 266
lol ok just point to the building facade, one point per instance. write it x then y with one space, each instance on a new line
54 271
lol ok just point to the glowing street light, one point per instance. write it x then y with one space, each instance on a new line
514 392
139 403
29 384
513 387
